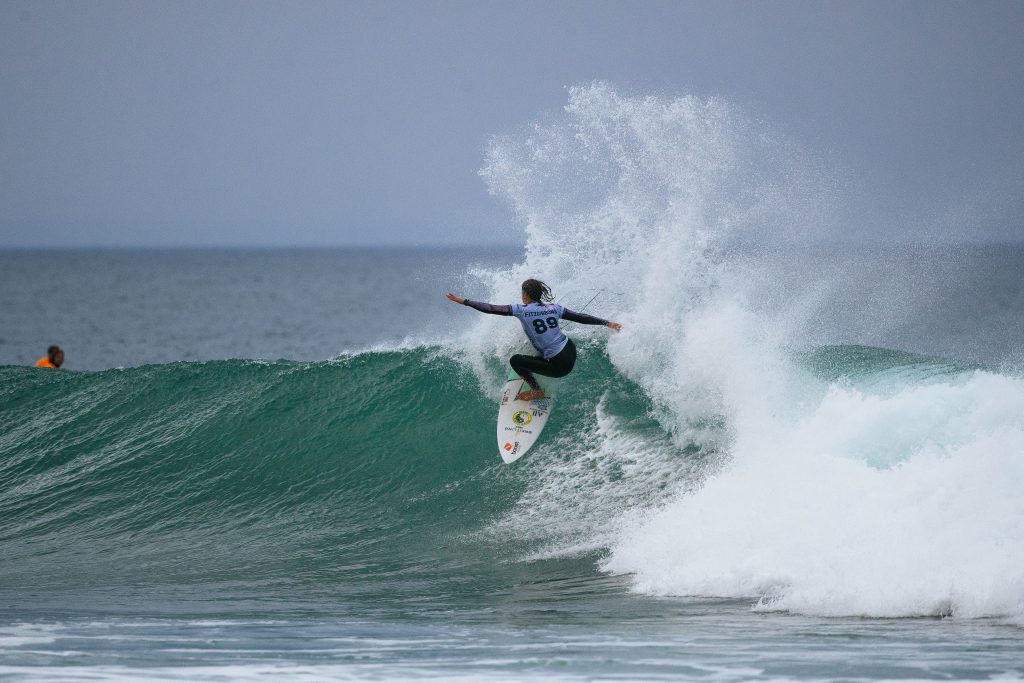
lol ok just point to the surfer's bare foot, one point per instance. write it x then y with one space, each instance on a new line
531 395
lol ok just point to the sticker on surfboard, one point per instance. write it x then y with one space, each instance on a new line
519 422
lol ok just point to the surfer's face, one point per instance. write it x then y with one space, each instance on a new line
526 298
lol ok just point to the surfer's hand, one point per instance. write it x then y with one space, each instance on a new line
615 326
456 299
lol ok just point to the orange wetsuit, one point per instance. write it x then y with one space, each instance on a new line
44 362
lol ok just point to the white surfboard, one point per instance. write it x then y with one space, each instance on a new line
519 422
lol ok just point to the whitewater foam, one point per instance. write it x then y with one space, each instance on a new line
808 518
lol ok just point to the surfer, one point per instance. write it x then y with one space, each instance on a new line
539 317
54 358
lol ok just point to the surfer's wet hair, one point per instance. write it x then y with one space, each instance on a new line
537 291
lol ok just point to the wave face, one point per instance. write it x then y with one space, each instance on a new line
252 474
373 476
707 450
891 493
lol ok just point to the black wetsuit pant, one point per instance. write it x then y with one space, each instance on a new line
559 366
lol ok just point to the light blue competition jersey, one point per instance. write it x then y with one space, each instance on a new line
540 322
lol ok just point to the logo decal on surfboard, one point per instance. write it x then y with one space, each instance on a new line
522 417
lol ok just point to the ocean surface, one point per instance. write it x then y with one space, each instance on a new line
795 463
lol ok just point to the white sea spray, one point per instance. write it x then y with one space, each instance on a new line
830 497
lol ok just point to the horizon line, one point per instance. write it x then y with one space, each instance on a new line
499 245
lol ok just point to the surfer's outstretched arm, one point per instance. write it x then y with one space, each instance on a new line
575 317
494 309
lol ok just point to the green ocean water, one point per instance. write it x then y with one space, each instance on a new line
363 478
800 460
350 518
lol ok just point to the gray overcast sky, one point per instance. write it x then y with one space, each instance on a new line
266 123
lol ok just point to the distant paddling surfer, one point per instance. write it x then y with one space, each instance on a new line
54 358
539 318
